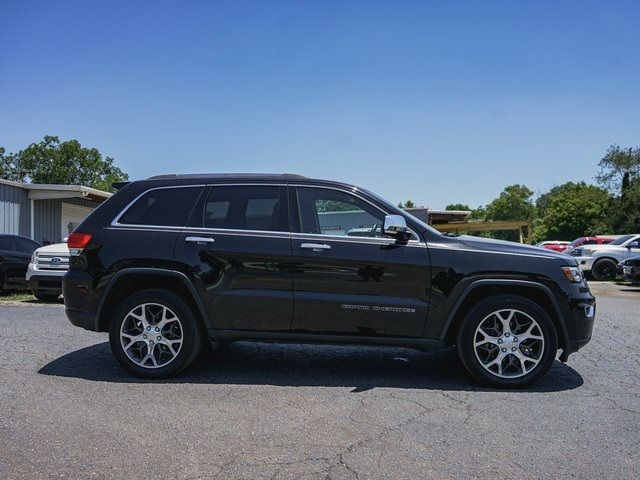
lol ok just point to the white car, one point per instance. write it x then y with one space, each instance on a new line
602 260
47 266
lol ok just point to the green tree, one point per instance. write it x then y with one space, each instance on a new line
618 167
514 203
457 206
407 204
67 163
572 210
625 209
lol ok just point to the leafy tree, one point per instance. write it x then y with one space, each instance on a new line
67 163
618 167
572 210
457 206
407 204
625 209
514 203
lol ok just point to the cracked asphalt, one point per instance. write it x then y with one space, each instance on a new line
290 411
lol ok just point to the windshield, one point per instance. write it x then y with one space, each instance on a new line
621 240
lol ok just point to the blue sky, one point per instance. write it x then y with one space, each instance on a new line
439 102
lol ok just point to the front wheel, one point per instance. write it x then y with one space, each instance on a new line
604 269
155 334
507 341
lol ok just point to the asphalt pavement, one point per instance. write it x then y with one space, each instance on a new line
67 410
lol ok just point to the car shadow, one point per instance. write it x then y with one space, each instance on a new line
289 365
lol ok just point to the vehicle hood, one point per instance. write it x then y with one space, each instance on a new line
491 244
55 249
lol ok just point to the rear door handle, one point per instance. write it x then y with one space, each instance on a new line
316 247
199 239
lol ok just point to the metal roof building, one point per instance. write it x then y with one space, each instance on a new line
45 213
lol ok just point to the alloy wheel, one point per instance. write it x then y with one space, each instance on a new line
151 335
509 343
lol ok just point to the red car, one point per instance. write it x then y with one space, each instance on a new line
598 240
555 245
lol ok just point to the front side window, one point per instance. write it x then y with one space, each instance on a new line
259 207
162 207
332 212
634 244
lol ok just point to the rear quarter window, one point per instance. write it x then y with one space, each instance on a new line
169 207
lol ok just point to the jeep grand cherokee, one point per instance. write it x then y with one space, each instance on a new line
173 261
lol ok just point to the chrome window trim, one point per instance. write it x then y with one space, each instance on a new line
115 224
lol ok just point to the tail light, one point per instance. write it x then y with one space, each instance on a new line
77 241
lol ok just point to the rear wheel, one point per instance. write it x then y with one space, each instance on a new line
155 334
604 269
507 341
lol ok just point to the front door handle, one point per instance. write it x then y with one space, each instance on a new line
199 239
316 247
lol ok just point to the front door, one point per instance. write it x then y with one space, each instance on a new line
240 256
348 278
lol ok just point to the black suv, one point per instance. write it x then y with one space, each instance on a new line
172 261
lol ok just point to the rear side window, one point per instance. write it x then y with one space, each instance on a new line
261 207
7 243
163 207
26 246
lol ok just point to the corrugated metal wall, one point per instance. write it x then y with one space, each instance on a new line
342 222
14 210
48 218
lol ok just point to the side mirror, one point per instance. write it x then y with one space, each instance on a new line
395 226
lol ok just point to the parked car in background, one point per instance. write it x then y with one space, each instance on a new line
15 252
631 269
602 260
47 266
575 246
555 245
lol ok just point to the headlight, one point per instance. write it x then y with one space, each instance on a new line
34 257
573 274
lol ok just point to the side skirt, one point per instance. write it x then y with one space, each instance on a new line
227 336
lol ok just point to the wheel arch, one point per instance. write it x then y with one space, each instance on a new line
480 289
128 281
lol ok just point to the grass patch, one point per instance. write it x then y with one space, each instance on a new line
24 297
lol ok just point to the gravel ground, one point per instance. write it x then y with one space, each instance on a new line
288 411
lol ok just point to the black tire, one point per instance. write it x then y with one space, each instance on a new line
45 297
604 269
190 328
481 312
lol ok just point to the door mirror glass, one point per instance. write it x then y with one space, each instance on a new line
395 226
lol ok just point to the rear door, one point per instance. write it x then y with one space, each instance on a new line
239 250
349 279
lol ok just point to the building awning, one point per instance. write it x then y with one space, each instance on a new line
40 191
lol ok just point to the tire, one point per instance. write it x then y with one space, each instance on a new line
604 269
45 297
512 358
149 353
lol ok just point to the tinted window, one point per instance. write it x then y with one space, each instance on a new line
6 243
25 245
247 208
621 240
17 244
164 206
331 212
